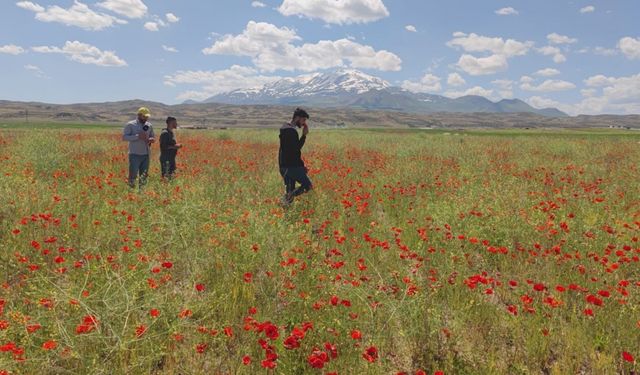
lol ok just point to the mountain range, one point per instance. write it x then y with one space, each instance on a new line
352 88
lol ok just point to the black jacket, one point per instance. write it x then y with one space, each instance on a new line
290 154
167 144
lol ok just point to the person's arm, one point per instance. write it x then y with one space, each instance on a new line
152 135
128 134
305 131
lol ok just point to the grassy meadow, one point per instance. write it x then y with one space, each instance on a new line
417 252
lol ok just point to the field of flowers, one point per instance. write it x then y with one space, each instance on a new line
416 253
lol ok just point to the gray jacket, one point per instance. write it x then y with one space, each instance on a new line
131 134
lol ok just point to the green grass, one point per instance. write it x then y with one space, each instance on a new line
413 235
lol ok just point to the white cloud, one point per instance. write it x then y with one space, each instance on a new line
599 81
555 38
505 87
588 9
216 82
35 70
548 86
151 26
455 80
619 95
258 4
477 90
172 18
28 5
271 48
338 12
169 49
506 11
478 43
477 66
540 102
558 57
411 28
499 48
126 8
605 51
12 49
85 54
428 83
548 72
630 47
79 15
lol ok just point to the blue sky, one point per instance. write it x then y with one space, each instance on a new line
580 56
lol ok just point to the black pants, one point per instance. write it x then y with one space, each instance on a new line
167 165
291 175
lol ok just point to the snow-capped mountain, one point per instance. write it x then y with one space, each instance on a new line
352 88
339 82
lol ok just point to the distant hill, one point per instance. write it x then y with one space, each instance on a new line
272 116
352 88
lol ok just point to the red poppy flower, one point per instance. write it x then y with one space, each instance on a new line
49 345
370 354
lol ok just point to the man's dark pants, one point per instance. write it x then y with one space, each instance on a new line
291 175
167 165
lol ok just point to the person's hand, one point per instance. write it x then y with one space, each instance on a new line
143 136
305 130
151 140
178 145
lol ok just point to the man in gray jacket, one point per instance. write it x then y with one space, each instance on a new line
139 134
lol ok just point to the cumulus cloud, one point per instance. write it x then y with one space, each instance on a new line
85 54
126 8
508 11
411 28
610 95
588 9
172 18
548 85
555 52
555 38
505 87
477 66
169 49
477 90
548 72
599 81
619 95
151 26
215 82
455 80
540 102
630 47
258 4
79 15
337 12
500 51
12 49
428 83
478 43
271 48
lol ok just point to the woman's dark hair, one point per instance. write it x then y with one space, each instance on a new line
169 119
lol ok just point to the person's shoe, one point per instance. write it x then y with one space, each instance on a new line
286 200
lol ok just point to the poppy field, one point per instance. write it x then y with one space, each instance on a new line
417 252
